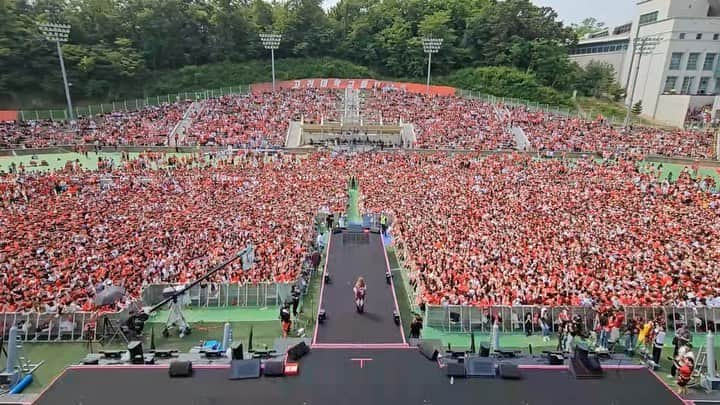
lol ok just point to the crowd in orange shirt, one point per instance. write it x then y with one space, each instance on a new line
500 230
557 133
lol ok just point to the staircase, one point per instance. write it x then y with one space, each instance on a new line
351 107
176 137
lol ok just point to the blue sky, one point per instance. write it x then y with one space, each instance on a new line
612 12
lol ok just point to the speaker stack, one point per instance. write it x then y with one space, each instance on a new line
296 352
584 366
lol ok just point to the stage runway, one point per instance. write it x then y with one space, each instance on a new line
346 262
353 377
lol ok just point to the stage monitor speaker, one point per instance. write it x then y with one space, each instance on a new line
244 369
296 352
428 349
484 350
236 350
135 350
510 372
555 359
480 367
274 368
180 368
454 369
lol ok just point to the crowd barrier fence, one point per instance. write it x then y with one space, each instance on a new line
466 319
217 295
53 327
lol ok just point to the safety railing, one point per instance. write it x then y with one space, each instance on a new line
53 327
213 295
535 106
512 319
131 105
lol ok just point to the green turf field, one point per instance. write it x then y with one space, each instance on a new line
58 160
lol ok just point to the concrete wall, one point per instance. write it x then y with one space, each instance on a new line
616 59
672 109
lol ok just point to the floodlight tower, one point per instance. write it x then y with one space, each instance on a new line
271 41
430 46
641 46
59 33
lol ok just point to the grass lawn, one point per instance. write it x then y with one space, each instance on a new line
58 160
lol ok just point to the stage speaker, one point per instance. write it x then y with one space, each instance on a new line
135 350
236 350
484 350
510 372
274 368
428 349
296 352
555 359
455 370
180 368
480 367
244 369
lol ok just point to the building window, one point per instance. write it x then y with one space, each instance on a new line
687 84
648 18
716 37
675 60
693 61
703 86
709 61
717 86
698 36
670 83
682 35
622 29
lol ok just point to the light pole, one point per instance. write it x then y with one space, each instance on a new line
430 46
641 46
58 33
271 41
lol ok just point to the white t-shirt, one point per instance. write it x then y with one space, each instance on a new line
660 339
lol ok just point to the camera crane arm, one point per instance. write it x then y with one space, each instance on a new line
196 282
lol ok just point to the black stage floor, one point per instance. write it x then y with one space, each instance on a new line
347 261
333 377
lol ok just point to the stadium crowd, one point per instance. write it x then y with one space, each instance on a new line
557 133
500 230
62 233
149 126
440 122
512 230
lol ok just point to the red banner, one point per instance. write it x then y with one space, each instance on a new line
8 115
360 84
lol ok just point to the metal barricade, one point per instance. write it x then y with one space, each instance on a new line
512 319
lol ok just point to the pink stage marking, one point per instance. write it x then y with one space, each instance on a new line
362 361
392 286
396 346
322 286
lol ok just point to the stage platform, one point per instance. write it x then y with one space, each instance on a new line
332 377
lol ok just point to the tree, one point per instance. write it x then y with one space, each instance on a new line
587 26
499 27
637 108
597 79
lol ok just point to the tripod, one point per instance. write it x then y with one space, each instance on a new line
114 331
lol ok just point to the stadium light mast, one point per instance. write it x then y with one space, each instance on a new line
59 33
430 46
641 46
271 41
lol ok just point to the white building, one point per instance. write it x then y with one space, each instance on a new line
682 72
